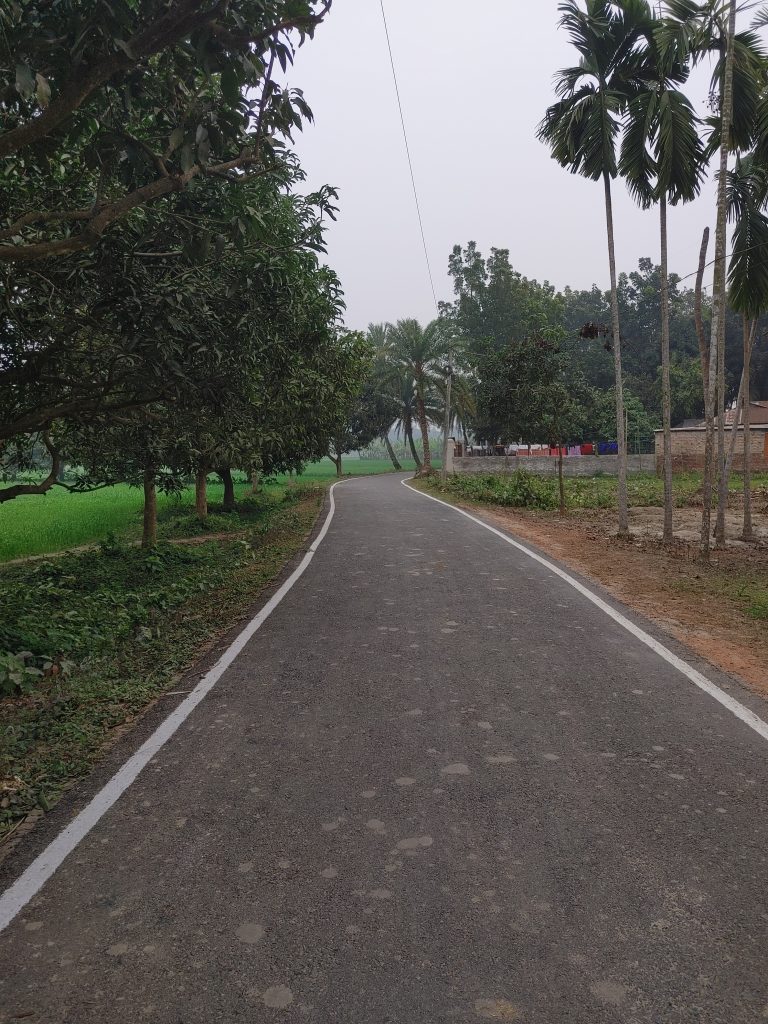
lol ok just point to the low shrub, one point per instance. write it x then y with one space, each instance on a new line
515 490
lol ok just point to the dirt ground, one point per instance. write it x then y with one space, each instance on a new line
698 604
648 523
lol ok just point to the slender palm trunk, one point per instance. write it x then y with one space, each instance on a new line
666 389
446 424
412 446
722 478
747 531
391 453
717 336
738 410
620 428
421 412
149 531
201 494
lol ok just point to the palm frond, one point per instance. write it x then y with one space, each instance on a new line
637 164
748 271
679 150
749 84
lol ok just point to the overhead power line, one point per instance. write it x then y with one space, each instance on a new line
728 255
408 155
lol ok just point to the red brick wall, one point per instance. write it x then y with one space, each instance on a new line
688 450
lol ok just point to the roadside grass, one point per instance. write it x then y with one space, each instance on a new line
744 586
116 627
522 489
46 523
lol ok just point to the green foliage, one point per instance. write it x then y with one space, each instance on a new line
108 105
132 622
747 193
514 490
493 311
521 489
17 675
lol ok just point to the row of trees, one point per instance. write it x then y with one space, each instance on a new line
621 111
406 391
165 313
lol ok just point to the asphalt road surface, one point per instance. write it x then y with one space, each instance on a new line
438 785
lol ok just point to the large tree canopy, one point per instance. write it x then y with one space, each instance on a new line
152 314
108 106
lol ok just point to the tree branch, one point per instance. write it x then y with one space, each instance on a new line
17 490
42 217
179 22
98 221
41 419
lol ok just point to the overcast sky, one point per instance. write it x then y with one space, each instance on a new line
475 80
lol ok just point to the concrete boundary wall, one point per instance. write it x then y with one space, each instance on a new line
573 465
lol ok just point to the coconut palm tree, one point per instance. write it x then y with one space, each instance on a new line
380 375
415 354
662 161
582 128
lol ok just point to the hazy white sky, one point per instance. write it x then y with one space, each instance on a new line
475 79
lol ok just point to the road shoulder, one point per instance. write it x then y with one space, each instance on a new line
666 588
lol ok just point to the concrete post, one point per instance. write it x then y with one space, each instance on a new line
449 449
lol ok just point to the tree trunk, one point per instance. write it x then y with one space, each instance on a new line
229 488
424 427
620 433
747 532
201 494
414 453
666 388
737 411
255 481
446 422
391 452
717 334
699 321
560 478
149 532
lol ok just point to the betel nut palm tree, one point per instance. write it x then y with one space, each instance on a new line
662 161
582 129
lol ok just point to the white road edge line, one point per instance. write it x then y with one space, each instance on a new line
28 884
737 709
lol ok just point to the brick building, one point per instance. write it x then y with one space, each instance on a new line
758 413
688 444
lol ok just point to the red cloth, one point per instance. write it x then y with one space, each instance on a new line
587 449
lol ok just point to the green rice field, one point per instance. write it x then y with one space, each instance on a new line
44 523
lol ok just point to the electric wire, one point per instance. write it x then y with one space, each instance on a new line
408 154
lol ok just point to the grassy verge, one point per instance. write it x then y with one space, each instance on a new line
740 585
108 630
524 490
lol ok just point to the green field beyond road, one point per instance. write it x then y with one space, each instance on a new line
44 523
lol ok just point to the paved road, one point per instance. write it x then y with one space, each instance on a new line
438 786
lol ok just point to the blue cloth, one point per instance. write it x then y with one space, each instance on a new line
607 448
